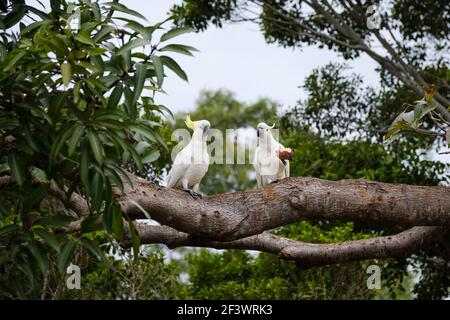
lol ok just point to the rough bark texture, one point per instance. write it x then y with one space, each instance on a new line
237 215
240 220
305 254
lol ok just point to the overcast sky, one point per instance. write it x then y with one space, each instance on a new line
238 59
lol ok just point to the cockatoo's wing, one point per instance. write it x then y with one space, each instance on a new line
175 174
179 167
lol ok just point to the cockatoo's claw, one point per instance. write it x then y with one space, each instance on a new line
198 195
193 194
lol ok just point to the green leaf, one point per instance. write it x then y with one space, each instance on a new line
107 219
139 28
120 7
175 32
39 253
104 32
8 229
130 103
35 196
96 192
397 127
179 48
16 56
96 147
85 38
33 26
16 168
66 72
84 163
75 138
447 137
59 143
137 159
421 109
76 92
115 97
93 247
38 174
142 131
174 66
53 221
134 240
139 80
114 178
49 238
95 51
151 156
159 69
131 45
117 224
66 256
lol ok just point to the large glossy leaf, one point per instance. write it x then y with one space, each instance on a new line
75 139
131 45
14 59
120 7
8 229
53 221
179 48
115 97
93 247
49 238
59 143
39 254
175 32
16 168
96 146
66 255
66 72
174 66
159 69
151 156
139 80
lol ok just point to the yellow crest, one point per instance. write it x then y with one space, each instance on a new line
273 126
189 123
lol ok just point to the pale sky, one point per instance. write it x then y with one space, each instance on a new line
238 59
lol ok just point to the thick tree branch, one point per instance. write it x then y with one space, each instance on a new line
238 215
305 254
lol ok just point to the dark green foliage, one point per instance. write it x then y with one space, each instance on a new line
73 111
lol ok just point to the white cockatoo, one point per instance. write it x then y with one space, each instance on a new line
191 163
271 158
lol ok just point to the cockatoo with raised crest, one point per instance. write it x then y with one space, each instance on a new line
271 158
191 163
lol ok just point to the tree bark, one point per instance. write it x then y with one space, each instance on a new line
306 255
237 215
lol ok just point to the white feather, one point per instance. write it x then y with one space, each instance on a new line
191 163
268 165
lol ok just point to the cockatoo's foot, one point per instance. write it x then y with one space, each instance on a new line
194 194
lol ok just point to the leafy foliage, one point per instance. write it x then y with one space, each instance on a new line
76 107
